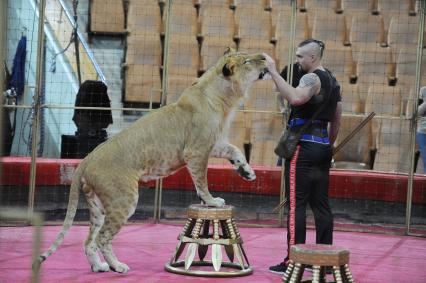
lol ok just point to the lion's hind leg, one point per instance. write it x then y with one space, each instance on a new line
97 218
119 210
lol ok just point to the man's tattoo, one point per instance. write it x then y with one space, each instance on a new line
308 80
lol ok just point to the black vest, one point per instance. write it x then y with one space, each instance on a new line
330 91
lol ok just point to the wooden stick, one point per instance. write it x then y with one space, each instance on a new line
353 132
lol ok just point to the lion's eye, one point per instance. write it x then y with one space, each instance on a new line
246 61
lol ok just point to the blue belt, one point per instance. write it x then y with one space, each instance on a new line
311 138
301 121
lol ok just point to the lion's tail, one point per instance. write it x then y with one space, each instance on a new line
69 217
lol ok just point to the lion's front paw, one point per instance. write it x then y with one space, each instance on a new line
120 268
103 267
246 172
216 202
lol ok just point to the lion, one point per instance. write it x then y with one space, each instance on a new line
185 133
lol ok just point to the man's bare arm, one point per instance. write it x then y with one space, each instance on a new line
309 85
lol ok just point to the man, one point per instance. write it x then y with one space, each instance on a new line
307 172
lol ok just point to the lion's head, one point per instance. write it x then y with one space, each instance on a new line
242 67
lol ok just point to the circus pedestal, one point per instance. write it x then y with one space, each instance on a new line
208 234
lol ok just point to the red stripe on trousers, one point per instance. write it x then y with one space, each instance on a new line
292 224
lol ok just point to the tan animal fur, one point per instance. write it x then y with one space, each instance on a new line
183 133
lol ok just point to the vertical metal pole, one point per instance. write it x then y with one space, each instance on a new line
166 54
289 79
414 117
37 94
157 200
37 221
159 184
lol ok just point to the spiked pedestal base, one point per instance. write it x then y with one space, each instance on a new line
214 228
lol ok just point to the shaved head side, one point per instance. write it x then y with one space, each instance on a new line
312 46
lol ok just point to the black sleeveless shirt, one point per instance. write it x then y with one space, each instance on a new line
330 96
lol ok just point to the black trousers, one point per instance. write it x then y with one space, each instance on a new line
307 181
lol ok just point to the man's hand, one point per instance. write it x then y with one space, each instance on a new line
270 63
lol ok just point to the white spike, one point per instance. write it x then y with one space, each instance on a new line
216 256
190 254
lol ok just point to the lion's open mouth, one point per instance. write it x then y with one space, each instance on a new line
263 74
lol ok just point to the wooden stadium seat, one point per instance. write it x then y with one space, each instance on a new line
176 85
252 46
106 16
358 6
183 56
339 59
183 18
367 28
142 84
212 49
262 97
330 27
409 103
253 23
403 30
217 20
393 145
384 100
375 64
406 67
356 154
266 130
281 23
330 6
144 17
217 31
395 7
144 49
351 99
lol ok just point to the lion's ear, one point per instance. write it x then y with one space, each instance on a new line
229 50
228 69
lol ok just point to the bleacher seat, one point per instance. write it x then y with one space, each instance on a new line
367 28
217 31
262 97
106 16
339 59
358 6
330 27
211 50
183 56
393 143
266 130
406 67
384 100
403 31
397 7
176 86
183 18
142 84
281 21
144 49
217 20
356 153
374 65
254 28
333 6
144 17
351 99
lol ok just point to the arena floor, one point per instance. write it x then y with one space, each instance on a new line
146 248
